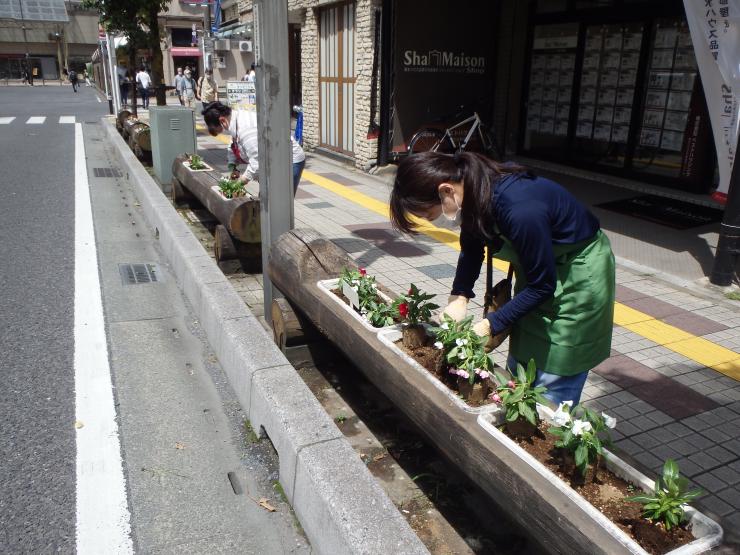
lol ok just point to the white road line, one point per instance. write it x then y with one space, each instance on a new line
66 119
103 520
6 121
36 120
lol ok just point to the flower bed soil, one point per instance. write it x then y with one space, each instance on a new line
606 494
428 356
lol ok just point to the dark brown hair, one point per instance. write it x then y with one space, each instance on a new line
419 176
212 111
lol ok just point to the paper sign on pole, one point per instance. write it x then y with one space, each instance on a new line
715 32
241 95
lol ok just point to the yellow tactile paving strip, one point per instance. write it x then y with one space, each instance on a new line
695 348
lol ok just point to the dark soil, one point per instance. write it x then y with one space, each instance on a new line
431 358
606 492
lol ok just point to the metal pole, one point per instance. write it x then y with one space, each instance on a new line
728 246
29 69
273 121
105 77
113 68
206 36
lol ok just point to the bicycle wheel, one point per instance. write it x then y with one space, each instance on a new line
490 147
426 139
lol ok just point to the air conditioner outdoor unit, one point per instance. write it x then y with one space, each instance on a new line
222 44
245 46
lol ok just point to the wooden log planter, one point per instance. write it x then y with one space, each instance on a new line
240 235
554 514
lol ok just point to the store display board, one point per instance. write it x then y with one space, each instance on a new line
551 80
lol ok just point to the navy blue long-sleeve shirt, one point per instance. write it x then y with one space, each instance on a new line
532 213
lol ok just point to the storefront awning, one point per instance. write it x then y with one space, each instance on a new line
189 51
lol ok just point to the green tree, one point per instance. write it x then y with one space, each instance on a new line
138 21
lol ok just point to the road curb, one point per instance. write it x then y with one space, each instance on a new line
337 500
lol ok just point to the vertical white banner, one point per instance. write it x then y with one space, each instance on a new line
715 32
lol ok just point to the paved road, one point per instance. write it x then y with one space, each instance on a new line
37 443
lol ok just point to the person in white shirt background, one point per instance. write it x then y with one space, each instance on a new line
179 77
142 82
242 126
187 89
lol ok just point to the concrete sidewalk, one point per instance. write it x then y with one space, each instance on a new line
672 380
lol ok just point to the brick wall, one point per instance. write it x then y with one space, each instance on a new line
309 12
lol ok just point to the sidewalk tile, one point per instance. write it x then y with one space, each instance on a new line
716 505
731 496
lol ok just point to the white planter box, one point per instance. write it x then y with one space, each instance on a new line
707 532
390 335
207 168
326 286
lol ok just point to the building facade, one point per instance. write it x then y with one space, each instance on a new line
66 39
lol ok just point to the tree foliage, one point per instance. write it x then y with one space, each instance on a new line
138 21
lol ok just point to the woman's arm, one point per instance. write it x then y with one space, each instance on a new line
468 265
527 226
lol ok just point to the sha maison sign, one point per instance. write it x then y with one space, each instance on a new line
442 61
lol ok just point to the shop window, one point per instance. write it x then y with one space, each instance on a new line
608 79
671 94
182 37
550 86
550 6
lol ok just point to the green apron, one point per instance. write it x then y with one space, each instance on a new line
572 331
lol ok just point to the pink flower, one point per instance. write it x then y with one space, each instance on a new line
495 398
463 373
484 374
453 371
403 310
363 271
411 291
511 384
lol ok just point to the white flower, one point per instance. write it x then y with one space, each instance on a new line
445 326
484 375
439 345
610 421
561 417
581 426
462 355
465 341
568 404
459 342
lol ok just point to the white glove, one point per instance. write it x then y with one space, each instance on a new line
457 307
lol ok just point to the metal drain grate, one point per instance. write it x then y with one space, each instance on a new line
136 274
107 172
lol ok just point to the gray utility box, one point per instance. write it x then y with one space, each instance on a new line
172 133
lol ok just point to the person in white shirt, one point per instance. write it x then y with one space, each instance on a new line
142 82
179 77
242 126
187 89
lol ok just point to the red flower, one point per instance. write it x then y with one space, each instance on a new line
403 310
363 271
411 291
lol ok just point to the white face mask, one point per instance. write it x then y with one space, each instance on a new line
456 220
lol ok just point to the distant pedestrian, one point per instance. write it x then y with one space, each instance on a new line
124 82
178 77
187 89
86 76
207 88
252 75
72 76
143 81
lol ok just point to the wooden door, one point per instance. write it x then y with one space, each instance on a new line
337 78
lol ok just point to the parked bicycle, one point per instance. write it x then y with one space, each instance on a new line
454 139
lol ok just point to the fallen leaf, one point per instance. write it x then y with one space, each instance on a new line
266 505
379 456
79 424
179 445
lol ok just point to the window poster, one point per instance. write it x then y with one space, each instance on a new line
632 41
683 81
563 111
620 133
584 129
612 60
655 98
679 100
564 94
607 96
653 118
548 110
622 115
650 137
546 125
561 127
676 121
602 132
665 37
533 122
625 96
588 95
672 140
550 94
662 58
534 107
685 59
589 78
659 79
609 78
630 60
604 114
627 77
586 112
613 41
